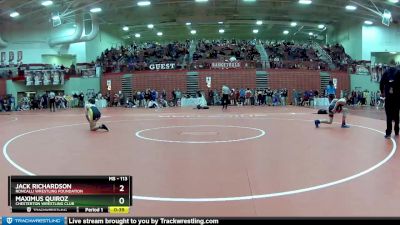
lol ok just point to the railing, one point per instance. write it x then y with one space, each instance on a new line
5 71
323 55
299 64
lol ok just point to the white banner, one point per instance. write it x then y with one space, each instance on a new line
208 82
225 65
335 82
109 85
163 66
44 77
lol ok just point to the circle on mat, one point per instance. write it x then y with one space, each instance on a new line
140 134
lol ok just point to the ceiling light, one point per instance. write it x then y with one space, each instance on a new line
150 26
285 32
321 26
393 53
125 28
193 31
95 10
201 0
221 31
394 1
293 24
47 3
351 7
220 22
159 33
305 2
387 15
259 22
57 17
311 33
249 0
137 35
368 22
255 31
188 23
14 14
144 3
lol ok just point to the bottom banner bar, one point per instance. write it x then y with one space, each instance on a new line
61 209
138 221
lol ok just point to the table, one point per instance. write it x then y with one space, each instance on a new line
193 102
321 102
102 103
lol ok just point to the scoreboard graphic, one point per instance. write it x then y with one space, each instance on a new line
73 194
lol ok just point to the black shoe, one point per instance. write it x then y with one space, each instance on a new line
317 122
104 127
387 136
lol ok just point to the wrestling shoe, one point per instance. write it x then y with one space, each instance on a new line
345 126
317 122
104 127
387 136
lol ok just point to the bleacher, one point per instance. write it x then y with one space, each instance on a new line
222 54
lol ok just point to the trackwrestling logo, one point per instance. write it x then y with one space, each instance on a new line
33 220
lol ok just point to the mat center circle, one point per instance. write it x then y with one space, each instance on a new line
200 134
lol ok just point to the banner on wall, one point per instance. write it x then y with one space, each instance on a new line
162 66
374 75
208 82
109 85
11 58
225 65
88 73
44 77
29 78
335 82
3 58
19 56
362 70
38 78
98 71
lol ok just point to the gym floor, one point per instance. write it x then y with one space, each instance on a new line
246 161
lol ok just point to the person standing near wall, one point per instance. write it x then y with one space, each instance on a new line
390 90
330 91
52 101
225 96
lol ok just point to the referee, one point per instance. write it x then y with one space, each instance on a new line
331 91
390 90
225 96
